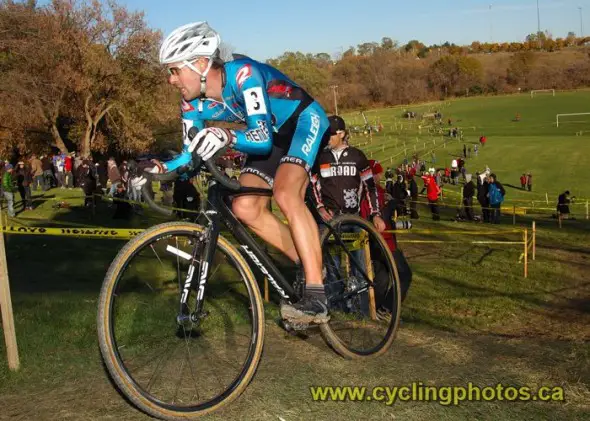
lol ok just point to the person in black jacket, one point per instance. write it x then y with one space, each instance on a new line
563 205
400 194
413 187
468 193
85 179
482 198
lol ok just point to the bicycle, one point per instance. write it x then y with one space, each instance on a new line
182 286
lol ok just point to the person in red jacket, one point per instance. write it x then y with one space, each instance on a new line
523 181
432 193
68 166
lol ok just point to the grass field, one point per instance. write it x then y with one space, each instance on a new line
470 315
556 157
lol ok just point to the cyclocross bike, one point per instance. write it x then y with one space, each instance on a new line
181 319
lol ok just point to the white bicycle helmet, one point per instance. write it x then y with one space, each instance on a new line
188 42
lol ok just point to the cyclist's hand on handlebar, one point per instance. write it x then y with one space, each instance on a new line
157 168
154 167
210 140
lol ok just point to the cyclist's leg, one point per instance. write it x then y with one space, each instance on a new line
291 182
253 210
290 185
289 191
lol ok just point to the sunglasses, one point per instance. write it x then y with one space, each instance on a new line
175 71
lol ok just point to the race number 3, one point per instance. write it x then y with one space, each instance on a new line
254 100
186 126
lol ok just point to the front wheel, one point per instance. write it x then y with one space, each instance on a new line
179 361
362 287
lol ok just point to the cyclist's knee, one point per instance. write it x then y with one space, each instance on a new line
287 198
247 208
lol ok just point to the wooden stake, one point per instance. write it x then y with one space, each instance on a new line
6 308
526 251
534 240
266 293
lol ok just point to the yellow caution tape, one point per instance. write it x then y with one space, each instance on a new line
94 232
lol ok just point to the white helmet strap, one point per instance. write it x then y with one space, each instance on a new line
203 96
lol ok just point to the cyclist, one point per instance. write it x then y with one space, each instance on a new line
285 128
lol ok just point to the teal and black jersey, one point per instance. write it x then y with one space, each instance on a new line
274 108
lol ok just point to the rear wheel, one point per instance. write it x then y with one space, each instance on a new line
171 361
363 319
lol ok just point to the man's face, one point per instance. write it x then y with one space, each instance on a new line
336 140
186 80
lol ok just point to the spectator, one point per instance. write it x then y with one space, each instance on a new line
447 178
400 194
468 193
404 272
482 197
496 195
47 173
69 170
469 152
342 175
529 181
433 158
483 140
8 188
563 205
475 150
432 193
114 176
186 197
78 161
24 179
413 187
37 170
464 151
439 178
124 172
523 181
58 163
103 174
87 181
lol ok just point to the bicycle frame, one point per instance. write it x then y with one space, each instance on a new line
219 212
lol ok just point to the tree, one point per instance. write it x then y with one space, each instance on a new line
367 48
41 67
388 44
520 67
121 72
452 74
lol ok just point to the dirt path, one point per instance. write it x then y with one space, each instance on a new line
290 365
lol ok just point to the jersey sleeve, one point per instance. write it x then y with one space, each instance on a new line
257 138
189 120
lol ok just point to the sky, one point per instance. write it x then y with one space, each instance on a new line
264 29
